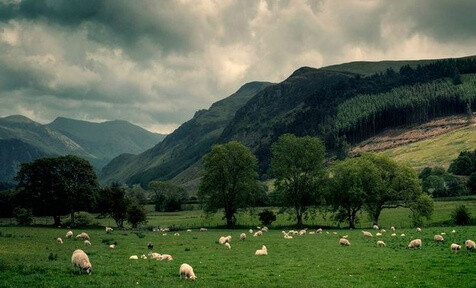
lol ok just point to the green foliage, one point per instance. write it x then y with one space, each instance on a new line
136 214
465 164
112 201
423 207
23 216
472 183
266 217
229 179
461 216
167 196
297 163
83 219
136 194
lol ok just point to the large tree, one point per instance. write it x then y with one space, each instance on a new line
229 179
113 202
297 164
167 196
57 186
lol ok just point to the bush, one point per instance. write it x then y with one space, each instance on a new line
84 219
136 214
23 216
267 217
461 216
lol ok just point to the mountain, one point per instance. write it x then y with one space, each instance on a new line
185 146
24 140
341 104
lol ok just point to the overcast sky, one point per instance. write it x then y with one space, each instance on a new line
154 63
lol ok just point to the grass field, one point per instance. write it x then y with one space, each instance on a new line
308 261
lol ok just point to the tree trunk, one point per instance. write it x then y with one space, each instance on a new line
376 215
57 220
299 217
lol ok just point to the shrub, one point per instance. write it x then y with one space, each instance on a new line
23 216
84 219
461 216
136 214
267 217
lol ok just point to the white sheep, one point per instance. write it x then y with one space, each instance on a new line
143 257
59 240
453 231
250 231
345 236
392 228
242 236
227 245
319 230
470 245
222 240
166 257
383 231
378 234
176 234
203 229
261 252
375 227
418 229
189 230
112 246
344 242
393 234
455 247
402 235
312 233
69 234
258 233
264 229
302 232
83 236
416 243
154 255
367 234
286 236
438 238
80 260
109 230
87 243
381 244
134 257
187 271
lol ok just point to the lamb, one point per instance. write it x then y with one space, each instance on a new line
69 234
189 230
59 240
261 252
227 245
344 242
143 257
418 229
375 227
87 243
154 255
81 260
381 244
109 230
166 257
242 236
438 238
470 245
378 234
134 257
112 246
455 247
258 233
203 229
367 234
187 271
416 243
224 239
302 232
83 236
250 231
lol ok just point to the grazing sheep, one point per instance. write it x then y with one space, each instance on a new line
150 246
345 236
242 236
402 235
438 238
455 247
154 255
187 271
189 230
250 231
69 234
83 236
470 245
81 260
261 252
381 244
112 246
312 233
258 233
143 257
264 229
109 230
344 242
258 227
335 233
392 228
443 233
203 229
418 229
393 234
286 236
453 231
227 245
378 234
302 232
165 234
166 257
165 229
383 231
134 257
59 240
375 227
222 240
367 234
415 243
87 243
319 230
176 234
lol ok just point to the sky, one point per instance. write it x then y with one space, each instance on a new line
154 63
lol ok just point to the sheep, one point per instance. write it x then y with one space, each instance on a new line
367 234
378 234
258 233
470 245
134 257
334 233
312 233
319 230
415 243
393 234
81 260
242 236
143 257
302 232
443 233
402 235
383 231
187 271
250 231
392 228
345 236
109 230
189 230
438 238
87 243
222 240
344 242
112 246
381 244
453 231
264 229
69 234
59 240
375 227
176 234
154 255
166 257
203 229
227 245
83 236
166 229
418 229
286 236
455 247
261 252
165 234
150 246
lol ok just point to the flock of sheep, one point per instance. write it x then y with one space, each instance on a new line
80 259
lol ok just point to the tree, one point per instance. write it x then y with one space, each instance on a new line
136 214
57 186
422 207
464 164
266 217
297 163
229 179
113 202
136 193
167 196
472 183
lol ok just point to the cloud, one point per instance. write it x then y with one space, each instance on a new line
155 63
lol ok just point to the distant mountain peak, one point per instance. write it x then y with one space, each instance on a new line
18 119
